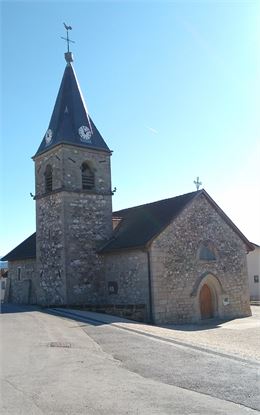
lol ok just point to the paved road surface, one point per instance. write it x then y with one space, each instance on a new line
53 365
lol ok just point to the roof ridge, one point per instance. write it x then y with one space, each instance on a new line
142 223
196 192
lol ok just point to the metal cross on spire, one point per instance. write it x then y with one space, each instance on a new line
68 40
197 183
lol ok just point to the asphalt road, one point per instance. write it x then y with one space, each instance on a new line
55 365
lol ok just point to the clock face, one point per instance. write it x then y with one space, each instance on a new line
48 136
85 133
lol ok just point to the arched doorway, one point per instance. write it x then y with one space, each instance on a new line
207 292
206 302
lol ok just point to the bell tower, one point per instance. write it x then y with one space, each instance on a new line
73 201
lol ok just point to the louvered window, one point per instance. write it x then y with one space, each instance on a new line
88 180
48 178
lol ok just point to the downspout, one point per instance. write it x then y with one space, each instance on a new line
151 320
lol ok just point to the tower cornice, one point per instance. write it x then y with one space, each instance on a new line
68 144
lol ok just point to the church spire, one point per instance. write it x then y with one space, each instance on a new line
70 122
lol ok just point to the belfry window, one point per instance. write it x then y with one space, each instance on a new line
88 180
48 178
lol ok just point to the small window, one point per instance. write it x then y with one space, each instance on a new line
256 278
19 272
112 287
48 178
207 251
88 180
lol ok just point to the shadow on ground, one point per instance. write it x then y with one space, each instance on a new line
93 318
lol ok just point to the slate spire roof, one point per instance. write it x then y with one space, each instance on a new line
70 122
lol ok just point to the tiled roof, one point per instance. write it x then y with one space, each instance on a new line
26 250
142 223
70 118
139 225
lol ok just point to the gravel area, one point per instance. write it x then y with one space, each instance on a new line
238 337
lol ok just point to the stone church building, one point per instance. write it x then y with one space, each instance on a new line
175 260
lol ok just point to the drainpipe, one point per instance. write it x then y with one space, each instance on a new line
150 287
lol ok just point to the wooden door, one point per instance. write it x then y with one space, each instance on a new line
206 306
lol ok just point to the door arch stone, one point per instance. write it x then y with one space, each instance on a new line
207 292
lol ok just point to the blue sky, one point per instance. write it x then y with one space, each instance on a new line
173 87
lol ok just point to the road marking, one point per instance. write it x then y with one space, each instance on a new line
60 344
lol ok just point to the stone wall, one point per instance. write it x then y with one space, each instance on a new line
126 279
50 237
6 292
178 273
72 223
86 220
22 291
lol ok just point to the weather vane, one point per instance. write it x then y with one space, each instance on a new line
68 40
197 183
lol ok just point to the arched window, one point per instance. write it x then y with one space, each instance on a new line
207 251
48 178
88 180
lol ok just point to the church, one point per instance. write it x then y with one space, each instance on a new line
178 260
